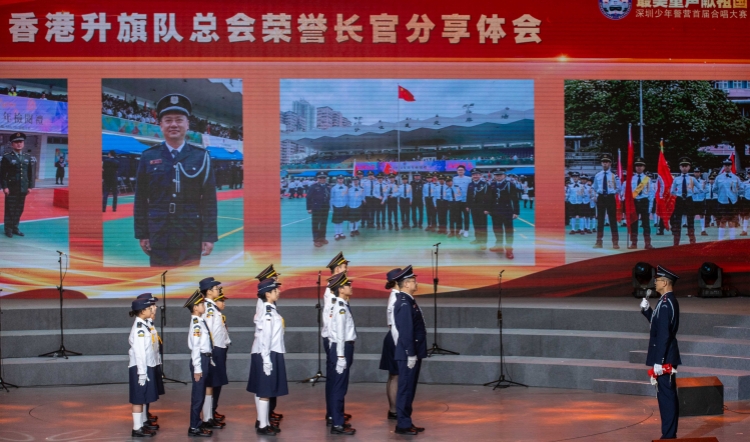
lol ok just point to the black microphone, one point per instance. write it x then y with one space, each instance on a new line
435 245
501 272
165 272
59 252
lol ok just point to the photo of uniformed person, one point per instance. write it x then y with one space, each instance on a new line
175 195
17 180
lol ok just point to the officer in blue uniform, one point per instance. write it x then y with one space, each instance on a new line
175 195
477 201
17 180
417 201
504 208
370 202
405 196
318 205
411 347
683 188
663 349
606 188
342 335
640 184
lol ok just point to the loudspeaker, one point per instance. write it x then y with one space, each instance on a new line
692 439
703 396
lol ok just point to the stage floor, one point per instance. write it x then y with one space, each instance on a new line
448 412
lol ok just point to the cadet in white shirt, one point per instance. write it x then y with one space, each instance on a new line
211 289
157 349
199 342
338 264
462 181
342 335
728 187
267 377
387 357
142 366
267 273
354 203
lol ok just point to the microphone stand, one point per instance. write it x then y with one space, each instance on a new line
163 309
435 347
4 385
314 379
501 382
61 351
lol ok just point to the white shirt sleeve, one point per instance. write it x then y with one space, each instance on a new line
194 339
141 340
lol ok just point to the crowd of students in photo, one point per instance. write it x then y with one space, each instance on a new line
13 91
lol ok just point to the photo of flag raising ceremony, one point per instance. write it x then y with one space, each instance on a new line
366 163
34 152
392 221
173 166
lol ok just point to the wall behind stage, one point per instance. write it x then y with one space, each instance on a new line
569 50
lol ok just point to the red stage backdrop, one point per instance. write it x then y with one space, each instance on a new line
283 91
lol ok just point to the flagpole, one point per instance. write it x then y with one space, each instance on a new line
398 132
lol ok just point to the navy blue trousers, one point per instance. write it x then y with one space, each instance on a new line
198 393
339 382
669 407
407 388
329 370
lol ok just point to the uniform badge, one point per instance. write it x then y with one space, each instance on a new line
210 313
174 99
195 320
342 311
141 334
154 162
197 331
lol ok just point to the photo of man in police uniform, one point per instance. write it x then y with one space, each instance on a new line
17 180
175 209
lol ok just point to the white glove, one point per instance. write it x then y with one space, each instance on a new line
142 378
645 304
411 361
658 370
340 365
267 366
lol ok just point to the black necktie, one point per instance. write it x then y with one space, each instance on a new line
711 194
174 153
429 190
728 175
442 191
371 188
684 185
639 181
605 191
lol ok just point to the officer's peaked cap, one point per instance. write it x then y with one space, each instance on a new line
337 261
174 103
267 285
268 272
339 280
194 299
18 136
208 283
406 273
664 273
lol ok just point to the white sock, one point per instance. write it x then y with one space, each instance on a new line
137 422
262 413
207 406
703 224
356 225
744 225
721 233
144 413
732 233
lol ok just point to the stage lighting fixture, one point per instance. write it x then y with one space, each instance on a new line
710 281
643 279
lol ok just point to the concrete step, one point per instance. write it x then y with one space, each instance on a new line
698 360
721 331
621 386
475 370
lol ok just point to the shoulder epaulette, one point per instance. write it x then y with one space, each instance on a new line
195 320
268 309
140 324
341 303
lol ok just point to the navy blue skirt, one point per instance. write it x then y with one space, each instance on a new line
145 394
387 358
159 380
267 386
219 369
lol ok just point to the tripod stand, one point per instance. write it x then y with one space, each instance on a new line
435 347
4 385
501 382
61 351
317 377
163 309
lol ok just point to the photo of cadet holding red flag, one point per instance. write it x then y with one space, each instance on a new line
671 173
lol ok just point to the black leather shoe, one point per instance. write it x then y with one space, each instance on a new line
151 427
347 416
276 416
219 417
329 422
18 232
142 432
274 425
343 429
392 416
199 432
407 431
152 417
212 423
266 431
10 235
419 429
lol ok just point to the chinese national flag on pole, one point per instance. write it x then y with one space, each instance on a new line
404 94
664 199
630 213
734 163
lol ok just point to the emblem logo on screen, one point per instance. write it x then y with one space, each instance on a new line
615 9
